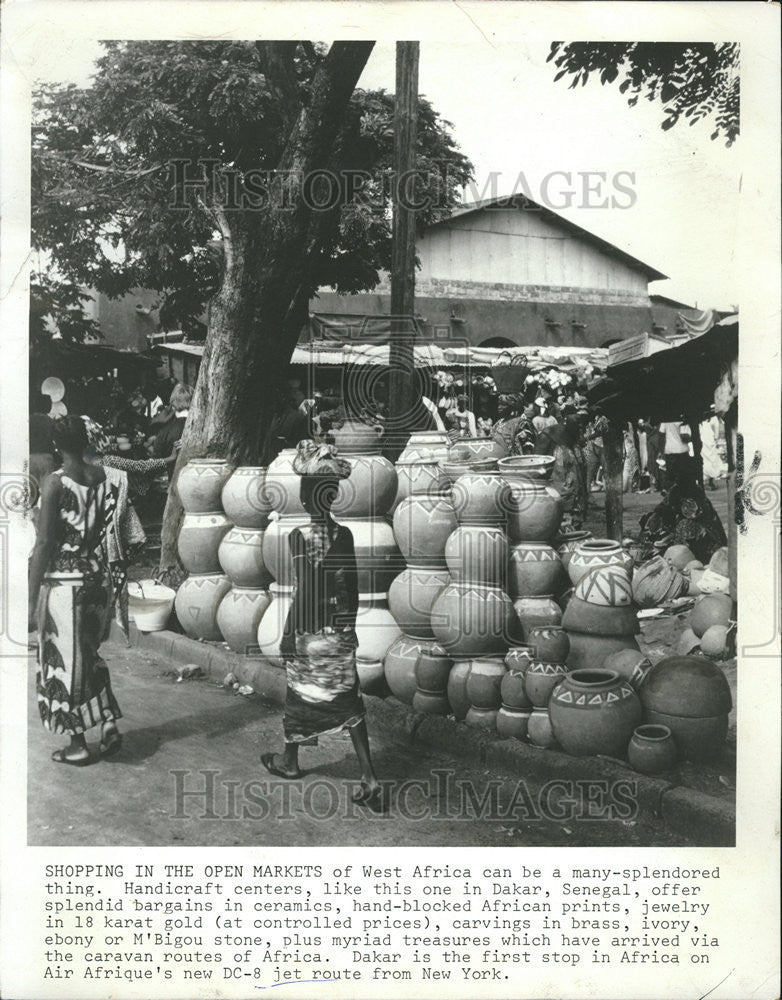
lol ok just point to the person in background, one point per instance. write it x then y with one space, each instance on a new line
714 465
162 444
291 424
569 473
630 465
512 428
654 445
460 420
677 452
43 453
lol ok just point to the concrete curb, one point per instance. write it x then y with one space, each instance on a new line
682 810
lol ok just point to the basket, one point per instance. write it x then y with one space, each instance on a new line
510 375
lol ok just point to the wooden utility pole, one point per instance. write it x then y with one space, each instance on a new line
402 382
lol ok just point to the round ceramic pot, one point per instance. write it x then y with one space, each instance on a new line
457 688
199 541
244 497
275 547
548 643
283 485
478 553
539 731
455 470
711 609
423 476
518 658
696 739
607 586
652 750
355 437
478 448
200 484
241 558
369 490
239 616
534 512
591 650
426 444
432 670
594 712
512 723
272 626
532 612
484 680
196 604
595 552
482 718
472 620
378 559
431 703
631 664
422 525
566 545
526 467
411 596
481 498
596 619
400 663
534 568
512 689
689 686
376 630
541 679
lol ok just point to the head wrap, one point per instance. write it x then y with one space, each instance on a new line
98 439
313 459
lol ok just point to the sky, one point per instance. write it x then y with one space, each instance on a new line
525 132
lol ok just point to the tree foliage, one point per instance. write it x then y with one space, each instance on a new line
693 81
107 159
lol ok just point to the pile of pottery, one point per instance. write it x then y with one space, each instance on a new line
600 617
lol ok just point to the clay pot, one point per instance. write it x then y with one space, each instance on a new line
536 611
275 547
241 558
594 712
482 718
199 541
472 620
512 723
426 444
432 670
688 641
605 586
411 596
711 609
688 686
399 666
422 525
201 483
244 497
594 552
431 703
590 650
478 554
567 544
355 437
512 689
239 616
549 643
540 681
272 626
378 559
526 467
652 750
457 688
484 680
196 604
454 470
597 619
631 664
535 512
283 485
539 731
518 658
420 476
481 498
369 490
696 739
376 631
534 568
468 449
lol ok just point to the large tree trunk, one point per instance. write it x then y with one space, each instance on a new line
258 314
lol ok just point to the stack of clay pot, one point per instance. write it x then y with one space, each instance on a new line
548 647
416 668
418 468
600 617
204 525
241 557
362 505
472 617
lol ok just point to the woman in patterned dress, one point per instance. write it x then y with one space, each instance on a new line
71 596
320 641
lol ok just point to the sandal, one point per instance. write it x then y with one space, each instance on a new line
110 745
60 757
267 759
374 799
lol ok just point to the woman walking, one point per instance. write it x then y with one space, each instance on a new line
70 597
320 642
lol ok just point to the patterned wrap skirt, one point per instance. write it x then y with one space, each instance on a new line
322 694
72 681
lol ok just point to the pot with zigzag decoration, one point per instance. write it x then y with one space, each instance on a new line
534 512
239 616
244 497
473 620
478 553
596 552
196 604
200 484
534 568
199 541
540 680
411 596
422 524
241 558
534 612
594 712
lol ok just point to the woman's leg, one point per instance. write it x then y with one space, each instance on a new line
360 738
